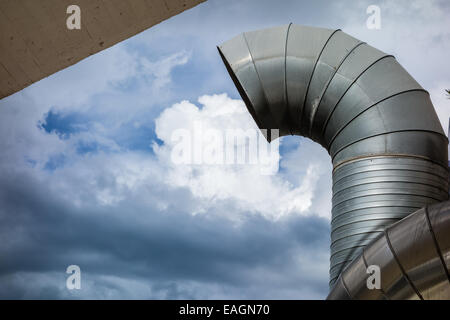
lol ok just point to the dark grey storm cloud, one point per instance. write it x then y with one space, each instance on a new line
42 235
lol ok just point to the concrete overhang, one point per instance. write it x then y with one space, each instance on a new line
35 41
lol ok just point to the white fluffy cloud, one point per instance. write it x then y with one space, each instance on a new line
108 178
273 196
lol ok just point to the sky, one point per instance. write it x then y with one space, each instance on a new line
87 175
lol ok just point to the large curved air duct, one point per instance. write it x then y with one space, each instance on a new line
387 146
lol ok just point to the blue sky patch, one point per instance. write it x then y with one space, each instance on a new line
64 125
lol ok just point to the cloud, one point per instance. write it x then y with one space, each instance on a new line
162 69
246 183
128 220
136 247
88 104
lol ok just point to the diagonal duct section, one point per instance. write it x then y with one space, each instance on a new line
413 256
386 143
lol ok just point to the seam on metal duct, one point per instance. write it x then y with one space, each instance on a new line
388 241
314 111
256 70
345 288
362 112
436 244
285 77
301 110
334 107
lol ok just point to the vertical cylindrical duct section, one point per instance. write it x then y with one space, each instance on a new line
387 146
373 193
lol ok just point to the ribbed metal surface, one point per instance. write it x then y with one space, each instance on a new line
371 194
387 146
413 256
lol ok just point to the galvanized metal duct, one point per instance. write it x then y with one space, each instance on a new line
387 146
413 256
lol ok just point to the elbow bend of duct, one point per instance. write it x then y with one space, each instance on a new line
387 146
